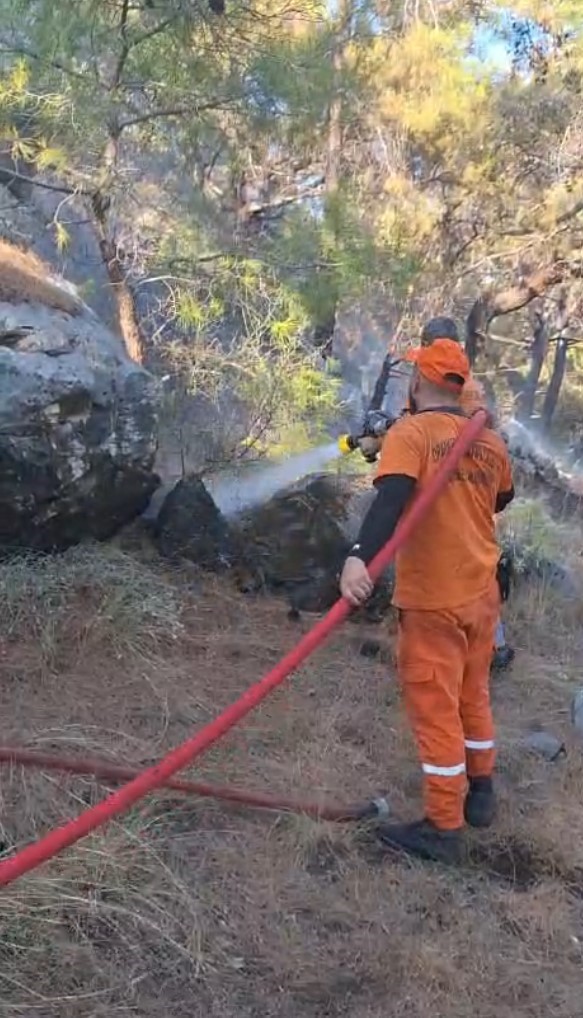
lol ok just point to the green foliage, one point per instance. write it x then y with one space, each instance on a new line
243 347
203 134
528 530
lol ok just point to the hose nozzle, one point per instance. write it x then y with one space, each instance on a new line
347 444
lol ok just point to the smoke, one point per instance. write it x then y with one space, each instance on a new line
360 347
525 442
235 492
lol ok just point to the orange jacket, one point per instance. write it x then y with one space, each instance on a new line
451 560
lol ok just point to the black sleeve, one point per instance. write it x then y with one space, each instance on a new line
393 494
503 498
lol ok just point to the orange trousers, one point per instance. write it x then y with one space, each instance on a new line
443 661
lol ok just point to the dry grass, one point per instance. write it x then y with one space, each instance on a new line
86 596
186 908
24 278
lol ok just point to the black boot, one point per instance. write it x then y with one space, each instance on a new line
424 840
502 658
480 805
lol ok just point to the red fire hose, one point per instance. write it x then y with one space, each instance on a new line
257 800
121 800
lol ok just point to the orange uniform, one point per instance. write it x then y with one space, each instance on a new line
448 601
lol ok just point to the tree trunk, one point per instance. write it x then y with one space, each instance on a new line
324 328
494 305
335 124
334 152
554 389
538 353
127 314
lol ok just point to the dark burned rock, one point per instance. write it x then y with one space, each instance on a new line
298 545
529 567
555 575
561 497
370 648
190 526
294 545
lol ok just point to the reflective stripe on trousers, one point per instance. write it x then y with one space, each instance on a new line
444 772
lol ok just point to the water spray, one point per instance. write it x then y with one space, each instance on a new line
524 442
235 492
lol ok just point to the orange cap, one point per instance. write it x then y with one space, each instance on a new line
444 363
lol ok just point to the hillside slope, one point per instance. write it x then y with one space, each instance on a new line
188 908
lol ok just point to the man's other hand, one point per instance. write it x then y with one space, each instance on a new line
355 583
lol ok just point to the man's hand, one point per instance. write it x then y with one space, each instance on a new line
355 583
369 446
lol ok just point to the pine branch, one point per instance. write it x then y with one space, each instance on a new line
22 51
171 111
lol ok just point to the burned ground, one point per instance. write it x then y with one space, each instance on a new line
186 907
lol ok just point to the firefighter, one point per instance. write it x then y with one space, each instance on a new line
447 596
473 398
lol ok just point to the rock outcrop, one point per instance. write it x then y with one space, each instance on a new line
293 545
77 417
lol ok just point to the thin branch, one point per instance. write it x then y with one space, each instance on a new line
125 47
174 111
571 213
129 44
155 30
506 340
569 340
35 182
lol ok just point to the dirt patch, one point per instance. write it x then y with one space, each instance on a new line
518 866
511 862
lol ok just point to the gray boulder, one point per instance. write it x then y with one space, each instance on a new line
77 421
544 744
